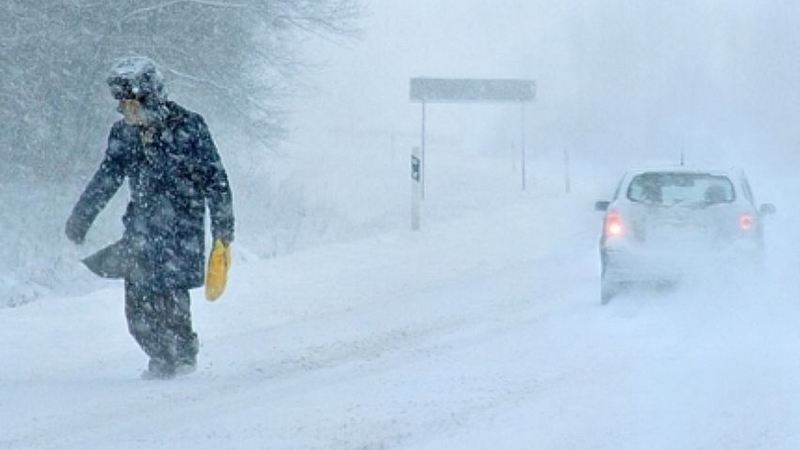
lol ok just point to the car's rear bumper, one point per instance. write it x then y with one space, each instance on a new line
637 263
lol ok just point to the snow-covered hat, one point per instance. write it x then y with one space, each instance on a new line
136 77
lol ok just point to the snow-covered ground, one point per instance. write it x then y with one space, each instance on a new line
483 330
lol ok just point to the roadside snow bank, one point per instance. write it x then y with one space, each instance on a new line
37 259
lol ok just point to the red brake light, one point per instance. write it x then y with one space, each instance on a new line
613 225
746 222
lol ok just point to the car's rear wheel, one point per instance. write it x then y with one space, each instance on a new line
608 290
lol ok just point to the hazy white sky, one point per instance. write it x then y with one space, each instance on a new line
638 79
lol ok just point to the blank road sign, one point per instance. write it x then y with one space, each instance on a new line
462 90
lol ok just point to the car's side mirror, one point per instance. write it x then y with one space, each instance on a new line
767 209
601 205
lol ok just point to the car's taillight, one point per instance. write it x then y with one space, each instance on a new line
745 222
614 226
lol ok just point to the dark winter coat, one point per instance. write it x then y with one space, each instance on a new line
173 170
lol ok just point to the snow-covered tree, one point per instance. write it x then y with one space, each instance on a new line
235 57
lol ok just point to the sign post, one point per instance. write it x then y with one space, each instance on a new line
567 183
522 140
422 174
462 90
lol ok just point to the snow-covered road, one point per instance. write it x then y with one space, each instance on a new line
481 332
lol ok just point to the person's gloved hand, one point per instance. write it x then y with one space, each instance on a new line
74 230
219 262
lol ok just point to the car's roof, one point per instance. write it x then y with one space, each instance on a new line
730 172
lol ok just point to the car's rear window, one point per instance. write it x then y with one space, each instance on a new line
670 188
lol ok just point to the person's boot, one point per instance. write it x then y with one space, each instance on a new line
186 362
158 369
185 365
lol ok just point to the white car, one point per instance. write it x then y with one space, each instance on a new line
662 223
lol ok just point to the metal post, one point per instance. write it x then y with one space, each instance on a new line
513 156
422 169
522 143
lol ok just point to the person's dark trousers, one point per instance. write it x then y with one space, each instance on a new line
161 323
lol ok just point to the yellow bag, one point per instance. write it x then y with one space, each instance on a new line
218 265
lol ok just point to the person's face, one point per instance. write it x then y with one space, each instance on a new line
132 112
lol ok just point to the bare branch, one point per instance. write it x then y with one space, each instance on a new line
238 58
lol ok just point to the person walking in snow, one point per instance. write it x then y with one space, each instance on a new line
174 171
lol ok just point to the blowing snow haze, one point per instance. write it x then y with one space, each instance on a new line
492 326
616 79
